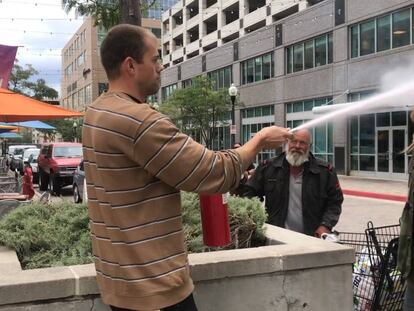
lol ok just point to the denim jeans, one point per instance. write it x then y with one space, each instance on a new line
409 296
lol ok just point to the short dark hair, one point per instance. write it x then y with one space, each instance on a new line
122 41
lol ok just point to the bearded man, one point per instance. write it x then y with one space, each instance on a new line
302 193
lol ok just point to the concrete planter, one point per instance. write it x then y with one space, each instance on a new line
294 272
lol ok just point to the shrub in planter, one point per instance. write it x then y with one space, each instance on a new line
45 235
57 234
246 217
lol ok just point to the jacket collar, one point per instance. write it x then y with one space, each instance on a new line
310 165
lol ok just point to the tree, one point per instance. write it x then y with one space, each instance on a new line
199 108
19 81
107 13
65 128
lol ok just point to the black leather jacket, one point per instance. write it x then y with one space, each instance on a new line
321 193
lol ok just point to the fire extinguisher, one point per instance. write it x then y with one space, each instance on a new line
215 220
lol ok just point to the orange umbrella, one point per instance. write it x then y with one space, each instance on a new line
16 108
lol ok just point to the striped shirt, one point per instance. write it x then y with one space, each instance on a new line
136 161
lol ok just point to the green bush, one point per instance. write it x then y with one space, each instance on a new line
246 218
58 234
48 235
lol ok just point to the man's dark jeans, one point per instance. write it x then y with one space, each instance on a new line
188 304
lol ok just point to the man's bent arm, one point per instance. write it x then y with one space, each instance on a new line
335 198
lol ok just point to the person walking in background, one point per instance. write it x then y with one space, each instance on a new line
405 246
136 162
301 193
27 187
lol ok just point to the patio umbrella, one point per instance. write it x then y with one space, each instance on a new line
34 124
16 108
10 135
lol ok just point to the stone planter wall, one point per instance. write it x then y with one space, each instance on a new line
294 272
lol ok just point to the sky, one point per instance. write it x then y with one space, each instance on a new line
40 29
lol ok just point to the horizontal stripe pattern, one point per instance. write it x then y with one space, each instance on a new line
136 161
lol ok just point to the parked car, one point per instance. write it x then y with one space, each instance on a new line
78 183
30 155
15 154
57 162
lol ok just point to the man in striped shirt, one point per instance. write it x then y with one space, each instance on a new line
136 163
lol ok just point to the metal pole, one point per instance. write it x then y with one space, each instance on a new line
233 122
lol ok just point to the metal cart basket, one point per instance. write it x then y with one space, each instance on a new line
378 285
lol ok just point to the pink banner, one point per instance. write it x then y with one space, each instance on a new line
7 57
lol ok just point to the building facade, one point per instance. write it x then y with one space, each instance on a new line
302 55
83 77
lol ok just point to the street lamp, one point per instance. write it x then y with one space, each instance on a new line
233 94
75 126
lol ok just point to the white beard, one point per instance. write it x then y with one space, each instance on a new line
296 159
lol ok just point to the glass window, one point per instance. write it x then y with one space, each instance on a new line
258 111
367 37
383 33
298 107
399 118
227 77
298 57
250 71
320 102
267 63
355 41
330 138
250 113
383 119
308 105
354 162
320 139
367 163
289 58
330 49
244 72
320 51
289 108
258 69
220 74
309 54
400 28
296 123
367 134
354 134
266 111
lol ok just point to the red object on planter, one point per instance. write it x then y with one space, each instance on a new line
215 220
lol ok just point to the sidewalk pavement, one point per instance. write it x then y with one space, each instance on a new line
393 190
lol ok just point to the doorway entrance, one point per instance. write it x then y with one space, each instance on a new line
391 141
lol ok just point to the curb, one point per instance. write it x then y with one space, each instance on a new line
375 195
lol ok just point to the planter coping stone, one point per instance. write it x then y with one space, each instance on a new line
286 251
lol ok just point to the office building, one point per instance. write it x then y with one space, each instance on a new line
287 57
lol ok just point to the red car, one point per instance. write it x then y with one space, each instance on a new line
57 162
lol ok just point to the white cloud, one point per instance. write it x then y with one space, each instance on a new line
40 29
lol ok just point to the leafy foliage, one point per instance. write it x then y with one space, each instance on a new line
106 13
20 82
48 235
65 128
246 218
198 108
58 234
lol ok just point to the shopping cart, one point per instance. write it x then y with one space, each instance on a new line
378 285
